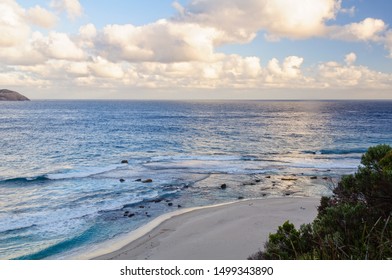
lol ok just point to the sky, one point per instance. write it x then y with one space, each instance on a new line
197 49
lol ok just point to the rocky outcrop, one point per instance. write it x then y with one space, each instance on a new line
9 95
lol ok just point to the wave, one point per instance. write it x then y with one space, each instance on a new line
62 246
83 173
17 230
25 179
199 158
337 151
72 174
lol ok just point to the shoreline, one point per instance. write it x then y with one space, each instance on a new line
232 230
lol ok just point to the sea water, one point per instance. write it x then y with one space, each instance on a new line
60 161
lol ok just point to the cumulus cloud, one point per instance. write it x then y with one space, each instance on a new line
163 41
16 78
369 29
41 17
242 19
13 27
57 45
350 58
105 69
88 31
73 8
336 75
286 73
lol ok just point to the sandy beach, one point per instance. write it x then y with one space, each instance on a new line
229 231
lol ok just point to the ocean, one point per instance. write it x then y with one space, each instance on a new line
64 188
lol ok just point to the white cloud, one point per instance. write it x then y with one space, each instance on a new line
162 41
87 36
105 69
350 58
73 8
77 69
41 17
88 31
369 29
336 75
57 45
21 79
242 19
13 27
289 70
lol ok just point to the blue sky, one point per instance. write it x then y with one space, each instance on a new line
197 48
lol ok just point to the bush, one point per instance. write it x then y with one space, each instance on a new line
355 223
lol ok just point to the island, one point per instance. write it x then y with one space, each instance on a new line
9 95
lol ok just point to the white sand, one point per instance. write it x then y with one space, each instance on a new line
224 232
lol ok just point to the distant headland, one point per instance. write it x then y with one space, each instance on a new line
9 95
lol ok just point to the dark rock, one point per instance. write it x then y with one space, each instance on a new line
122 180
325 178
289 179
131 215
126 213
124 161
170 204
157 200
264 194
9 95
240 197
257 180
268 177
138 180
141 206
147 215
223 186
179 206
313 177
147 181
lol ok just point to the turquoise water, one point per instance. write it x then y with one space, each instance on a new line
60 161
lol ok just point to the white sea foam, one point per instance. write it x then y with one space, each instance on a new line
82 173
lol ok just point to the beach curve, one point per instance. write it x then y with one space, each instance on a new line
226 231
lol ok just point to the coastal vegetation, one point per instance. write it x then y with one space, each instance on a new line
354 223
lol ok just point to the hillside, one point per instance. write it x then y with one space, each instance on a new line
9 95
